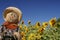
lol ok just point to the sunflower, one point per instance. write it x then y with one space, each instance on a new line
23 38
31 36
22 22
22 34
20 27
52 21
25 27
29 21
45 24
38 36
40 30
37 25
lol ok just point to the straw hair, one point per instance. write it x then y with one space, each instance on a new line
13 9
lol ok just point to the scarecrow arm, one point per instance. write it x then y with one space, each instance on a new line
1 31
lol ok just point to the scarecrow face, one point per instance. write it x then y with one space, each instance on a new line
11 17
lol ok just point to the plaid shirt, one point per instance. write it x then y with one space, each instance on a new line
7 32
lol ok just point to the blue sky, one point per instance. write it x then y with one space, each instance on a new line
34 10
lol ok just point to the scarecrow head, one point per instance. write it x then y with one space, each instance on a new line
12 14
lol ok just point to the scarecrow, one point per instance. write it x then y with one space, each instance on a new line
9 30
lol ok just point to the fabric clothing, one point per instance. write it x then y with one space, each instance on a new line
6 30
10 25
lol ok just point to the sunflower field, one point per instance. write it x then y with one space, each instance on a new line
49 30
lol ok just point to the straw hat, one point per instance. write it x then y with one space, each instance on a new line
13 9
